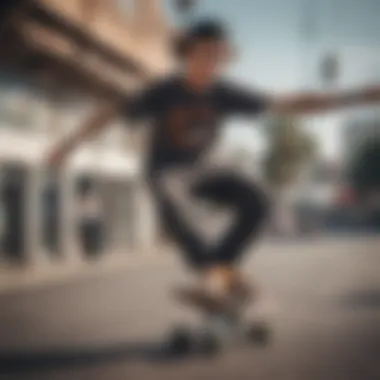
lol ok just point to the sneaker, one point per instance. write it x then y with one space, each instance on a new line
226 282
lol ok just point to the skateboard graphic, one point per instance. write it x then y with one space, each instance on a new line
224 325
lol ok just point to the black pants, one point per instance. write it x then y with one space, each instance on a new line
226 190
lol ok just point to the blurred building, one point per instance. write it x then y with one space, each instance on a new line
323 184
358 130
316 195
58 60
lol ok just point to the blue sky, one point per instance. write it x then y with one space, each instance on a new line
280 43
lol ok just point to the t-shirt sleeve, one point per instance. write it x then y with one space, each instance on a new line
144 104
242 101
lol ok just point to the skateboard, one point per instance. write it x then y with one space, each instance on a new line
224 325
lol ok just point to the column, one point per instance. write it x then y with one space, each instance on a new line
145 225
33 217
67 217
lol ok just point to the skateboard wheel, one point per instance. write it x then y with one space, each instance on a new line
180 342
259 333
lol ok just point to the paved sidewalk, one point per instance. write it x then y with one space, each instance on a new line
14 279
36 275
326 324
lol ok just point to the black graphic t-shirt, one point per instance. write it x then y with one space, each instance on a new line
186 122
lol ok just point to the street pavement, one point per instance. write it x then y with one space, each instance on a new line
325 315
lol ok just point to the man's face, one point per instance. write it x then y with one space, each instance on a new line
208 58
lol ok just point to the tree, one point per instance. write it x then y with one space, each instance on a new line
291 148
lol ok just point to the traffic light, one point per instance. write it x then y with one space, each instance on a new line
329 69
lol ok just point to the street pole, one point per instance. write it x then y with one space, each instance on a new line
308 33
329 65
329 71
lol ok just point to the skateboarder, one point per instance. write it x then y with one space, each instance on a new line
187 110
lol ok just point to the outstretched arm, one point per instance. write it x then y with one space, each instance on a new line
319 102
141 105
240 100
93 125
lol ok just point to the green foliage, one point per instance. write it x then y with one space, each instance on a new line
290 149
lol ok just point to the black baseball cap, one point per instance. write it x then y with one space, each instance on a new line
202 30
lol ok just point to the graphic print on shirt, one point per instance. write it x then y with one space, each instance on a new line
191 127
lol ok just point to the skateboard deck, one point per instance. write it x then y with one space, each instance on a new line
223 324
206 302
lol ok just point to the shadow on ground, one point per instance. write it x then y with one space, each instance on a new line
22 362
367 299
